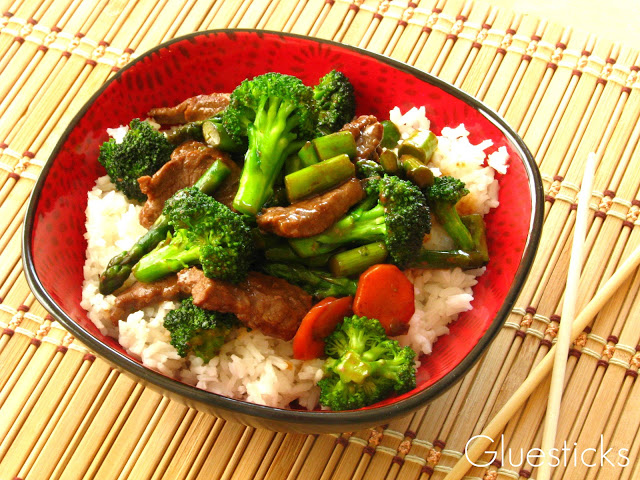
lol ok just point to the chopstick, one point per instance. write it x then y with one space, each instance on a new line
542 370
568 313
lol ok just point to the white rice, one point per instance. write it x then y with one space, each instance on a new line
261 369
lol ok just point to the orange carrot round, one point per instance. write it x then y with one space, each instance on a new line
386 294
317 324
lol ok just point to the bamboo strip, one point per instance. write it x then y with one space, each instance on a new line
465 47
488 59
176 439
185 452
89 446
284 15
437 38
383 34
414 35
221 452
25 432
119 445
260 451
164 433
362 26
25 394
274 446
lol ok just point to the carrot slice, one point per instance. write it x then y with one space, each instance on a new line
318 323
386 294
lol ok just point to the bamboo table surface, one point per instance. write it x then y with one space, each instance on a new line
66 414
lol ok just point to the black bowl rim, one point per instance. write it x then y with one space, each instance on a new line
309 418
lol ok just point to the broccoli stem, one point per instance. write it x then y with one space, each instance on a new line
318 178
120 266
357 260
315 282
361 226
448 217
165 260
256 181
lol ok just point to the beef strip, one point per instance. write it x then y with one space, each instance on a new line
367 132
141 295
187 164
201 107
314 215
269 304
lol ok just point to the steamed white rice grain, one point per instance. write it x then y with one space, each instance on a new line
258 368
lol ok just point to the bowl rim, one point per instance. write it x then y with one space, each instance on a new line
367 416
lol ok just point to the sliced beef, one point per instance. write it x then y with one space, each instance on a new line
367 132
269 304
201 107
141 295
187 164
314 215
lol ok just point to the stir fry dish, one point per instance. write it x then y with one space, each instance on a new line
275 247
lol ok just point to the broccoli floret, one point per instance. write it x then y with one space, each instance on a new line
396 212
206 233
442 197
276 113
142 152
364 366
315 282
198 331
336 102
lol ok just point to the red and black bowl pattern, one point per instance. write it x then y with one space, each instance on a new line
217 61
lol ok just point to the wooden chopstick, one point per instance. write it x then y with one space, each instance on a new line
542 370
563 342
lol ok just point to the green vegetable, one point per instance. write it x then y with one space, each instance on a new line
395 212
142 152
318 178
285 254
120 266
308 155
420 144
390 134
181 133
216 135
197 331
416 171
336 102
366 168
318 283
389 161
358 259
206 233
442 197
276 113
364 366
335 144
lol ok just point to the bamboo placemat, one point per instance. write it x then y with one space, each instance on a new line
65 414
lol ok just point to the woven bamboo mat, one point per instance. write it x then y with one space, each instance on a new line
65 414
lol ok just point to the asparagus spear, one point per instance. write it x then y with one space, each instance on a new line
318 178
357 260
315 282
120 266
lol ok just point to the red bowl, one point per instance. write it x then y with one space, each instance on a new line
54 246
